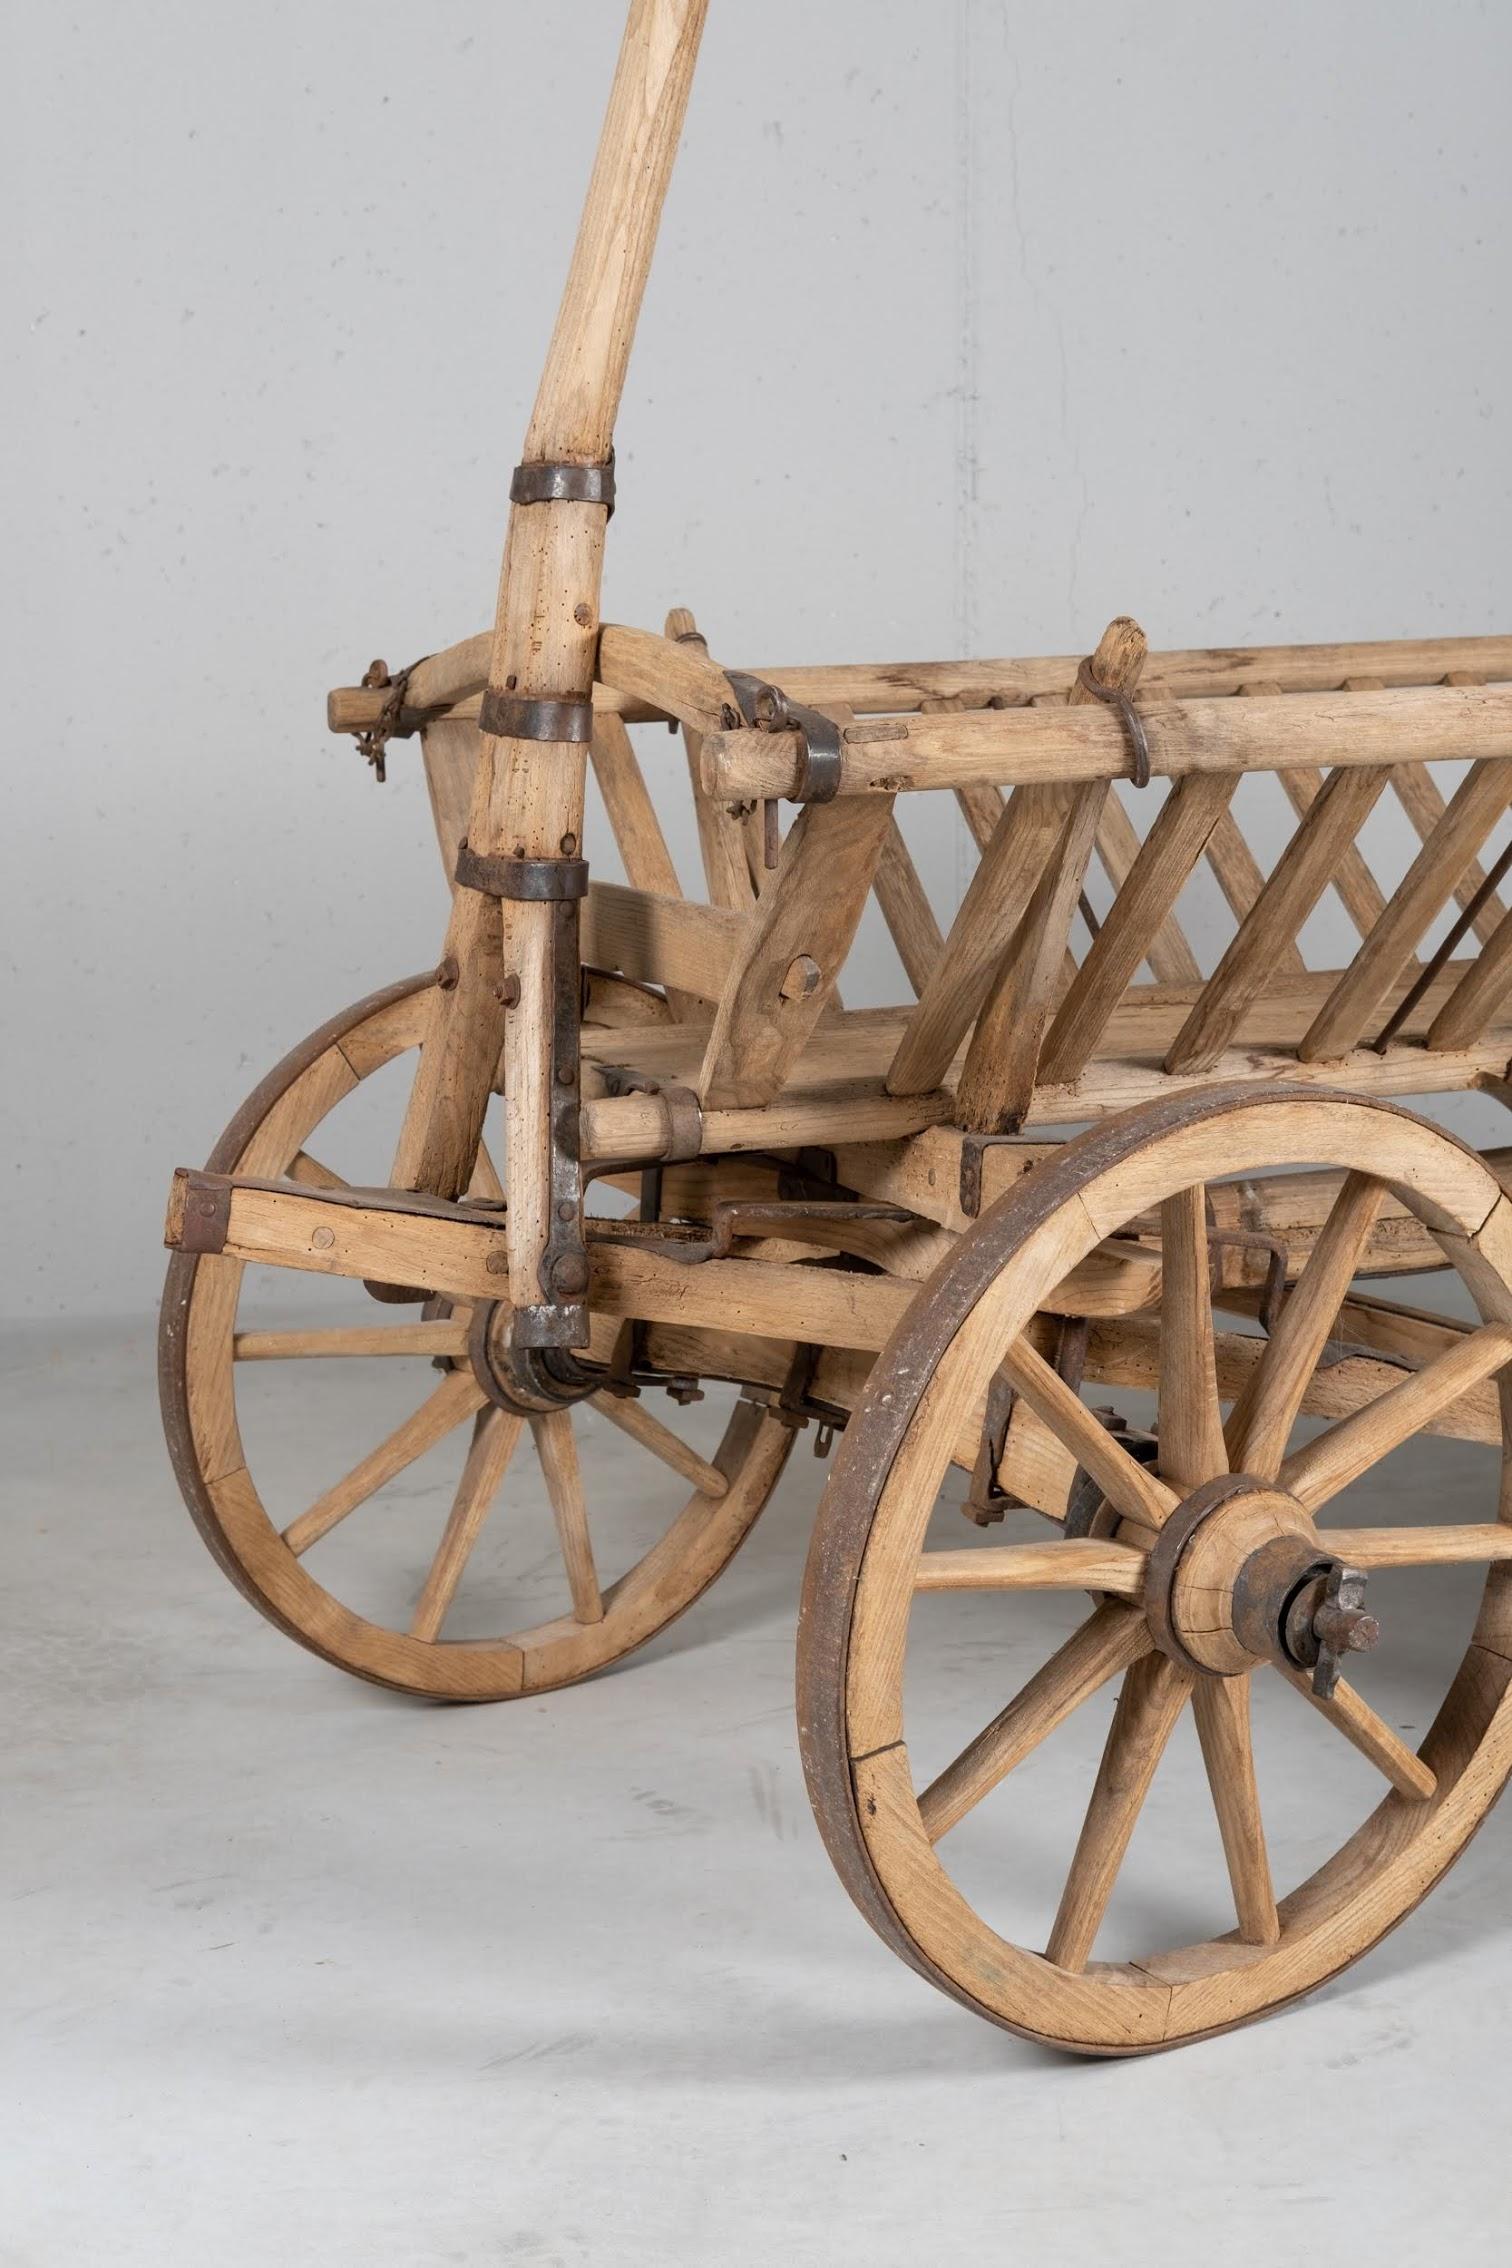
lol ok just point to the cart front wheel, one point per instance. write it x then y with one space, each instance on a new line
971 1694
342 1455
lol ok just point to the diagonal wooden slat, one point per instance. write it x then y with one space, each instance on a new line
990 912
633 822
784 971
1480 995
998 1077
1301 875
906 909
1119 850
1239 878
1134 922
1433 877
721 840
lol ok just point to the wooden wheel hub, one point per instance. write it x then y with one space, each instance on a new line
1239 1575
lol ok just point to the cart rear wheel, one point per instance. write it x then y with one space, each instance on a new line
1215 1587
421 1589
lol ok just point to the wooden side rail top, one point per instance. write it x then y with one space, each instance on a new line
452 680
1055 745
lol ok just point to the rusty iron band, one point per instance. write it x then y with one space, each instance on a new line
517 716
766 708
550 482
539 881
1127 715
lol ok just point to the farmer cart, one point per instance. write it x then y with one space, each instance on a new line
651 1174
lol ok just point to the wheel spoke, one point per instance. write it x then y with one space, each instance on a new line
1067 1563
1190 1424
493 1444
456 1398
1221 1706
1153 1696
313 1174
662 1442
1370 1734
1132 1490
556 1446
1261 1420
1417 1547
485 1180
434 1339
1106 1643
1351 1447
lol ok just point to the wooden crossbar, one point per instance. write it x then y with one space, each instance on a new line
456 675
1029 746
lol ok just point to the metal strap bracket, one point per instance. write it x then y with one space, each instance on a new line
1112 697
390 724
682 1111
539 881
551 482
766 708
565 720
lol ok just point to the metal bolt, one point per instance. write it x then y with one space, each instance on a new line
803 979
497 1263
566 1211
1345 1630
570 1274
567 1074
448 974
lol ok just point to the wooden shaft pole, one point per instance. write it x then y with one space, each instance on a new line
528 795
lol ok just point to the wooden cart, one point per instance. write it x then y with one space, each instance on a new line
719 1208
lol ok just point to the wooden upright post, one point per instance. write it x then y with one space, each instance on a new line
528 795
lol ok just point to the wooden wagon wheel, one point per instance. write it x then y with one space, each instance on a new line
1209 1583
209 1347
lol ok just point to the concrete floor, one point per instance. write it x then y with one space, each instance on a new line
298 1972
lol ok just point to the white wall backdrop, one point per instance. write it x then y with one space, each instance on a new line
972 325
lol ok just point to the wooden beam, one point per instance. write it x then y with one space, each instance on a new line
457 675
1058 744
657 940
